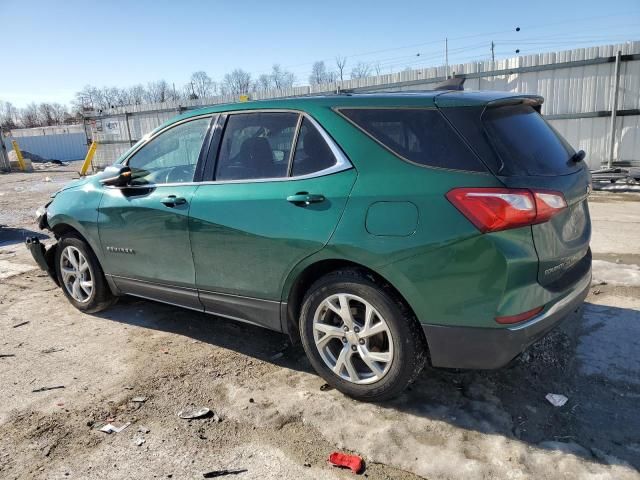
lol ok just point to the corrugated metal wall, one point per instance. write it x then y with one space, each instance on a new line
576 84
53 143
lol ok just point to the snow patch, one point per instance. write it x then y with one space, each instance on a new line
616 273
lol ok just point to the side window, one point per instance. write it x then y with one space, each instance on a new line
312 152
171 157
419 135
256 145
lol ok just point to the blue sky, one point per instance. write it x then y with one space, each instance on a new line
52 49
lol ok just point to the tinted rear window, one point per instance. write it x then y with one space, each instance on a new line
526 144
421 136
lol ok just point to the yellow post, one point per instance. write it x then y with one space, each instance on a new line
87 160
16 148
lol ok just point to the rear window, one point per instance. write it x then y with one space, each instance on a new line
526 144
421 136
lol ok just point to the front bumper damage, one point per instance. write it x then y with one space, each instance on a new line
44 257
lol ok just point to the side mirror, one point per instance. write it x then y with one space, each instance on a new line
116 176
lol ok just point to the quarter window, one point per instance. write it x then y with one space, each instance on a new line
256 145
171 157
312 152
417 134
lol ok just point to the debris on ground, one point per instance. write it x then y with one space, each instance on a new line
6 355
143 429
21 324
139 442
139 399
52 350
193 413
222 473
110 428
353 462
556 399
45 389
325 387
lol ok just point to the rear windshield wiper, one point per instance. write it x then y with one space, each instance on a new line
578 156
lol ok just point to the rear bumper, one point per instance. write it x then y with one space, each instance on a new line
489 348
45 258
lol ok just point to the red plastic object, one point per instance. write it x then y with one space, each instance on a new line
353 462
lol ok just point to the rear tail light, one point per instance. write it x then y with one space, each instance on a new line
494 209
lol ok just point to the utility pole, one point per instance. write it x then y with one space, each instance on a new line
493 51
446 58
614 109
5 166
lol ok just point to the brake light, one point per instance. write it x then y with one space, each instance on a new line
495 209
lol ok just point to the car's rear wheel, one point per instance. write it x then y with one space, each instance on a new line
81 277
360 337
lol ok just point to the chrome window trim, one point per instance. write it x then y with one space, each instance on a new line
342 162
148 137
338 110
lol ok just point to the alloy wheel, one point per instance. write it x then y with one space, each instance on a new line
352 338
76 274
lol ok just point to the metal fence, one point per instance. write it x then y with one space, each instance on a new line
67 142
592 96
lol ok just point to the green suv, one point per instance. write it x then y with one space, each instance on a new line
381 231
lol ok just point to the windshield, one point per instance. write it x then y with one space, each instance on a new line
526 143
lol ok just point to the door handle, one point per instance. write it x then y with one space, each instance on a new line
302 199
172 201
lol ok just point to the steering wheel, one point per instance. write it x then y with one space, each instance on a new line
179 174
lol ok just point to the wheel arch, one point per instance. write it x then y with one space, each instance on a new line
306 276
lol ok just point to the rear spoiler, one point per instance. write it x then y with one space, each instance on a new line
534 101
454 83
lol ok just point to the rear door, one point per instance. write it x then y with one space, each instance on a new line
531 154
278 189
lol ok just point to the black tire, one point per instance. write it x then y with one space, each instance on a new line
101 296
409 346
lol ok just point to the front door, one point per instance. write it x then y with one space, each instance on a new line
266 211
144 228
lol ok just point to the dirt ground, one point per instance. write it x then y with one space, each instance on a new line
272 419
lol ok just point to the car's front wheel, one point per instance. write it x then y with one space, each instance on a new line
360 337
81 276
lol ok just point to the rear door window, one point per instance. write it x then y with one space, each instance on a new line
312 153
418 135
256 145
526 144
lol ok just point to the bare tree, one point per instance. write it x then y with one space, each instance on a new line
318 73
361 70
377 68
136 94
281 78
201 85
59 113
341 63
264 82
8 115
45 114
237 82
29 116
156 92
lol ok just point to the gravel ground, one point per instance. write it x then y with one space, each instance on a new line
272 419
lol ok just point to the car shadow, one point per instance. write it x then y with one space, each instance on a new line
598 423
11 235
